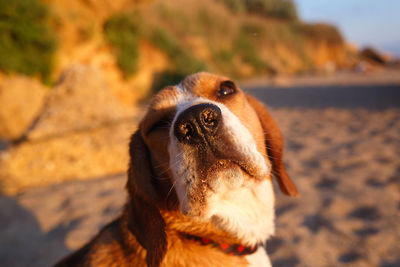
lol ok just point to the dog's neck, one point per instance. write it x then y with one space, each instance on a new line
244 216
177 223
258 224
246 212
209 255
230 249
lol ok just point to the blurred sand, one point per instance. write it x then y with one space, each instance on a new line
342 151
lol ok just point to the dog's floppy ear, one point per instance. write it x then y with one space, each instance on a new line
145 220
274 143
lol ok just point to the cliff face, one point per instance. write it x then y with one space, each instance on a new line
212 35
111 53
80 132
79 29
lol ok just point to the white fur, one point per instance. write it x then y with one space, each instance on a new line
247 211
172 100
259 258
238 203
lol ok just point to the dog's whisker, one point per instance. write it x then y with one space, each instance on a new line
170 190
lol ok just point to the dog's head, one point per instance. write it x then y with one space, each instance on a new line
200 143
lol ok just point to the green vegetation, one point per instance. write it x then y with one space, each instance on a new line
27 45
244 45
264 38
223 59
233 37
244 48
180 58
321 32
283 9
183 63
122 32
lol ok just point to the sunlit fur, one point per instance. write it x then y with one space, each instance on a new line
237 203
236 206
260 258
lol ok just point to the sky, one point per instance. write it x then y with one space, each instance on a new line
363 22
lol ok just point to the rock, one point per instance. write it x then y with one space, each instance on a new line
82 133
21 99
373 56
80 100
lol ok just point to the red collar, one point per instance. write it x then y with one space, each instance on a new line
230 249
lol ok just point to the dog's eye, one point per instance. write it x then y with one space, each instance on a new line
226 88
163 124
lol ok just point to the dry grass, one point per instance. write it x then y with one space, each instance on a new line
236 38
238 44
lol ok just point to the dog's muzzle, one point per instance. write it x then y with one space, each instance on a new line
201 128
198 124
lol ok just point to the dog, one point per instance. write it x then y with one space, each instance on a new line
199 182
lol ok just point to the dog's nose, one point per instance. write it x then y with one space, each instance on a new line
197 122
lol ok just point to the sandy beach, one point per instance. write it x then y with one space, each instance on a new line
342 151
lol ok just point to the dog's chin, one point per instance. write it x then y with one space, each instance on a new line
220 182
